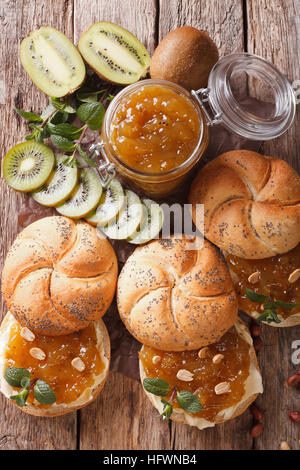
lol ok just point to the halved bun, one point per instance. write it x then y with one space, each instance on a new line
251 204
253 386
59 276
272 281
89 394
176 294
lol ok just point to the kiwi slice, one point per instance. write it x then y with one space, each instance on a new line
52 62
28 165
111 202
128 220
152 223
59 185
85 197
115 54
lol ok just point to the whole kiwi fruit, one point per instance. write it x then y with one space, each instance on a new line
185 56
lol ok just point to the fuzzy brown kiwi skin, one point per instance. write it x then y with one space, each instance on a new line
97 72
70 91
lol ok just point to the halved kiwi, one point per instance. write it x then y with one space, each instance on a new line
115 54
85 197
52 62
152 223
59 185
28 165
111 202
128 220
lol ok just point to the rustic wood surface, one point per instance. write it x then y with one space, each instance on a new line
121 418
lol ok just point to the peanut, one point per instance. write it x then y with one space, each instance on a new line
156 359
37 353
294 276
256 413
294 416
256 430
254 277
293 380
222 387
218 358
203 353
27 334
184 375
284 446
78 364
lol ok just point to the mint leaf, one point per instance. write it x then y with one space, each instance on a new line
158 387
14 375
167 410
285 304
188 401
258 298
65 130
29 115
269 316
92 114
43 393
85 157
25 383
62 143
87 95
62 105
20 398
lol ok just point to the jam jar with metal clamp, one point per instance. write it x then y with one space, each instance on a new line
154 131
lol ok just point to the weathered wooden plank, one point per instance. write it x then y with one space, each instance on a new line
274 33
18 430
224 22
121 418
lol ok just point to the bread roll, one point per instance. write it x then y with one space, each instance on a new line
252 387
57 409
59 276
174 297
251 204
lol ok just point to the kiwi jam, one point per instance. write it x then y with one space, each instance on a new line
273 281
66 382
234 369
155 129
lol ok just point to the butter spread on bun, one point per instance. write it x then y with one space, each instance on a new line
74 386
251 204
174 297
59 276
224 388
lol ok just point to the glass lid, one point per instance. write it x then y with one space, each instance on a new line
249 96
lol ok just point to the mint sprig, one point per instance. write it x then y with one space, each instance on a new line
20 377
270 306
185 399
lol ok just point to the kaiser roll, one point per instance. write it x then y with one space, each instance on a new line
93 386
59 276
251 204
175 298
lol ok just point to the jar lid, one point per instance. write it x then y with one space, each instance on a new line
249 96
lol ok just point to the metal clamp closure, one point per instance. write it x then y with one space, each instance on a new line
202 97
106 169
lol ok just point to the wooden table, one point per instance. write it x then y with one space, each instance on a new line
121 418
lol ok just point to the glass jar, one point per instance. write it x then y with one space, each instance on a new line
222 103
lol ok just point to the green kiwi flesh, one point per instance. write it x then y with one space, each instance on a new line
85 197
28 165
128 220
151 225
114 53
52 62
58 186
111 202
